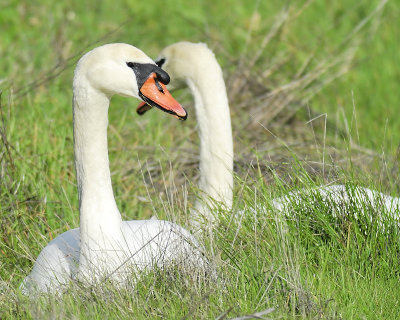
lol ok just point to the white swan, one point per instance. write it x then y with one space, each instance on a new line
195 65
105 247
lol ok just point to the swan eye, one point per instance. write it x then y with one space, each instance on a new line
160 62
130 64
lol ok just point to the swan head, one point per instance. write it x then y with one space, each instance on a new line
122 69
182 61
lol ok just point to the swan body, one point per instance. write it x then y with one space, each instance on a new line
194 65
338 196
148 243
105 247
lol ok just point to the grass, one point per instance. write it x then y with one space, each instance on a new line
316 265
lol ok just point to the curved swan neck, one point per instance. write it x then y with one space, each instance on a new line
100 220
215 131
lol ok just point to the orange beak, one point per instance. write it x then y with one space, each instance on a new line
155 94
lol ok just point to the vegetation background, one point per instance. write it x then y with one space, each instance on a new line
313 87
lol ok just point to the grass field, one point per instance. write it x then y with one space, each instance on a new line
316 265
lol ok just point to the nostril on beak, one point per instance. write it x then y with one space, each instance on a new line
158 85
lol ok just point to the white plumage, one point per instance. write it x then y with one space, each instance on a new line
105 247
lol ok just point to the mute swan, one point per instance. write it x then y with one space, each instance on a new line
105 247
195 65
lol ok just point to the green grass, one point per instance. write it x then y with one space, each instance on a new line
315 267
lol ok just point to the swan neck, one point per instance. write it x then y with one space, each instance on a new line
100 220
215 132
